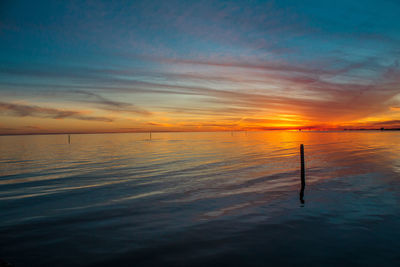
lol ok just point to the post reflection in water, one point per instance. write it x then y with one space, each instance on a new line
302 175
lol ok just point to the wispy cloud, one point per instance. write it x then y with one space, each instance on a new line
390 123
230 88
21 110
112 105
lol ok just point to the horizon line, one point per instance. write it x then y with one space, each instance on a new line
209 131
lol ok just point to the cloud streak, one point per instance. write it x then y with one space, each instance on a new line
112 105
21 110
246 89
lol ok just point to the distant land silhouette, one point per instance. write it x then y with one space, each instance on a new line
244 130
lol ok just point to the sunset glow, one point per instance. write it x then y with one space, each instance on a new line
204 66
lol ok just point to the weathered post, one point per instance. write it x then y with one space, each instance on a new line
303 178
69 139
150 135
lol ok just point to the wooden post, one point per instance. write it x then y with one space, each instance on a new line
150 135
69 139
303 175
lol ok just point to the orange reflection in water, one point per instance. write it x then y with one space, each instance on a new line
192 166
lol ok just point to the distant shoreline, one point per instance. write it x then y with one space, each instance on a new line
291 130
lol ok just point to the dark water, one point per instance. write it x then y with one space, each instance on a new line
200 199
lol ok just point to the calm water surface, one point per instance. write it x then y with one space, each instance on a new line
200 199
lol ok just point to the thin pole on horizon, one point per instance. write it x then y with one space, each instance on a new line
69 139
150 135
302 175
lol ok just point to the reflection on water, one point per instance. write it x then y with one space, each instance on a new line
302 174
200 199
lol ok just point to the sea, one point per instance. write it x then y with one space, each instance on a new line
200 199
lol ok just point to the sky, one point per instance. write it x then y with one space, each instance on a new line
139 66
